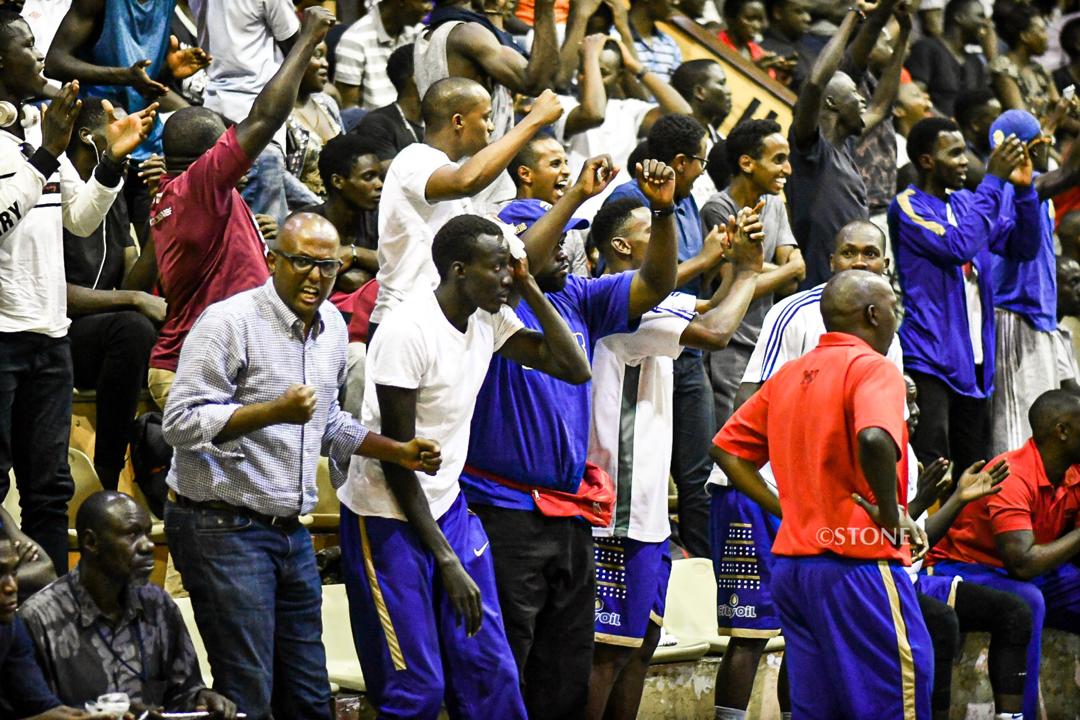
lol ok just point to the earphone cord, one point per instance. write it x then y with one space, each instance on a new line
104 221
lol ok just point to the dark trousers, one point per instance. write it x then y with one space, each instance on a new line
257 600
694 427
35 424
546 576
109 353
952 426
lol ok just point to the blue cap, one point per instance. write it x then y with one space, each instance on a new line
1020 123
521 214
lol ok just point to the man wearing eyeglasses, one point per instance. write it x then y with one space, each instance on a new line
1025 294
253 405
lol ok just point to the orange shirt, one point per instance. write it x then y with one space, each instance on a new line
1027 501
526 11
805 420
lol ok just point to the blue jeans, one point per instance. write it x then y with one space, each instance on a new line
257 599
35 424
273 190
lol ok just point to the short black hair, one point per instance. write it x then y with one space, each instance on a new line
719 168
526 156
732 8
1011 20
399 67
748 138
340 153
1070 37
1049 409
8 17
610 219
448 97
91 114
772 6
969 102
954 8
191 131
924 135
689 75
639 154
456 240
674 135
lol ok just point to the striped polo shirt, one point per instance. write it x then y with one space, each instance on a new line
361 57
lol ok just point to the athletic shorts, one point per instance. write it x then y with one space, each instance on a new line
631 588
741 537
937 587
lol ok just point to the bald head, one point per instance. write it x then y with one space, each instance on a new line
449 97
860 303
1049 411
103 511
861 231
301 226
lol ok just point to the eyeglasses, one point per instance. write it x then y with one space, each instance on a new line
304 264
704 162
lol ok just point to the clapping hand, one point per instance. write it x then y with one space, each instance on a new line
596 174
185 62
124 134
976 482
58 119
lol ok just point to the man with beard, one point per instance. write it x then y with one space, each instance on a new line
104 628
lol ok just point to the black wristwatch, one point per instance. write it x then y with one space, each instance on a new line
663 212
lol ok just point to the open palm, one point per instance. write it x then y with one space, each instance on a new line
977 482
185 62
125 133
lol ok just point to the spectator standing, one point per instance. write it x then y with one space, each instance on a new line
832 424
395 126
976 110
36 380
421 579
203 235
104 627
254 405
544 564
360 72
944 65
703 84
1069 73
314 121
680 141
1025 294
427 183
912 105
789 21
655 50
827 190
113 327
1020 81
944 239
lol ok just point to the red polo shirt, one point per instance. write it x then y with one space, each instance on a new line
1027 501
207 244
806 420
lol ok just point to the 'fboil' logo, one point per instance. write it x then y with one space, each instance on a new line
613 619
733 610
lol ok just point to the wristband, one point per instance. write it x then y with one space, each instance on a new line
640 75
663 212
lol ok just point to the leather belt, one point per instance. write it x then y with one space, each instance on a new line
286 523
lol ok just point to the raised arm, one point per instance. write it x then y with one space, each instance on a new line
580 12
590 113
556 350
804 124
77 29
885 93
506 65
655 280
398 409
479 171
667 97
861 47
274 103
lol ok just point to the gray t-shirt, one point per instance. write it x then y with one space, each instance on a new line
777 234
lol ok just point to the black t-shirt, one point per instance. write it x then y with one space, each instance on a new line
367 235
97 260
931 63
825 193
390 132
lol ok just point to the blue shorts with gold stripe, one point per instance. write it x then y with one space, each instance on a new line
741 535
857 646
631 588
412 648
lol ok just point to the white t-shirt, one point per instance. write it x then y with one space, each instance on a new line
241 35
630 433
43 17
617 137
792 328
416 347
407 226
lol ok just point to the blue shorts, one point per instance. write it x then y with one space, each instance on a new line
741 536
942 589
412 648
631 588
857 646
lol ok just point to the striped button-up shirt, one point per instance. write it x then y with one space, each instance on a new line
361 57
249 349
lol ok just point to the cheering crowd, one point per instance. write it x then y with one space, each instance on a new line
514 272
